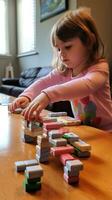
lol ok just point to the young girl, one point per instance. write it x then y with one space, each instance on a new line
81 74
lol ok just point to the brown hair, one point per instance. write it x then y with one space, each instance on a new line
78 23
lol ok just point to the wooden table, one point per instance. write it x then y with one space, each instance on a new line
95 180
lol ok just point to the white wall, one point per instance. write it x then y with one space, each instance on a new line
102 12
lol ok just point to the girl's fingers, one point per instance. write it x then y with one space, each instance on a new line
18 103
28 112
34 108
11 107
23 104
37 113
32 112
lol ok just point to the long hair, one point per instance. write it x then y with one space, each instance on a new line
73 24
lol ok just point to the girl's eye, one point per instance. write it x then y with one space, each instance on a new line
68 47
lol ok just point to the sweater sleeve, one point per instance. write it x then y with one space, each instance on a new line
35 89
80 87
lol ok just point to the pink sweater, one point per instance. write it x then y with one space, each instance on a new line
89 93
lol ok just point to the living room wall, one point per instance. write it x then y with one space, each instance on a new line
100 10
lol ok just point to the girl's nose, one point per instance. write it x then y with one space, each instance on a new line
62 53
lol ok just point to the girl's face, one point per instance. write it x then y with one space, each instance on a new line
72 53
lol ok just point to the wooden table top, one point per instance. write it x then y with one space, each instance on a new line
95 180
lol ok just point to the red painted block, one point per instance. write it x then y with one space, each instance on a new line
63 130
52 125
57 151
65 157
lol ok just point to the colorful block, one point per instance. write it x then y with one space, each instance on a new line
65 157
57 151
81 145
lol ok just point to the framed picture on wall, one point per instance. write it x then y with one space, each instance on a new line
50 8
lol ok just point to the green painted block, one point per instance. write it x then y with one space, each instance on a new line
32 187
66 136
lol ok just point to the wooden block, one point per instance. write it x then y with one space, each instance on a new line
65 157
71 137
21 165
53 134
81 145
52 125
73 165
57 114
34 171
71 173
49 119
57 151
58 142
69 121
71 180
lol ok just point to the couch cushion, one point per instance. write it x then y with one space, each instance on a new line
26 82
30 75
27 77
10 81
6 89
30 72
16 91
44 71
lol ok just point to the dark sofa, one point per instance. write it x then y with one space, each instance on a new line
16 86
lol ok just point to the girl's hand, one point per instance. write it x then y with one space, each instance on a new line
35 107
20 102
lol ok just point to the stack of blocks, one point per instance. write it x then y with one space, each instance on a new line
55 139
33 173
71 170
31 131
42 148
32 180
59 138
63 144
53 124
61 122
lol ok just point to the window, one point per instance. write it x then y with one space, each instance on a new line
26 26
4 49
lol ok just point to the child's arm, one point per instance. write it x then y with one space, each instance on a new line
35 89
76 88
79 87
53 78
